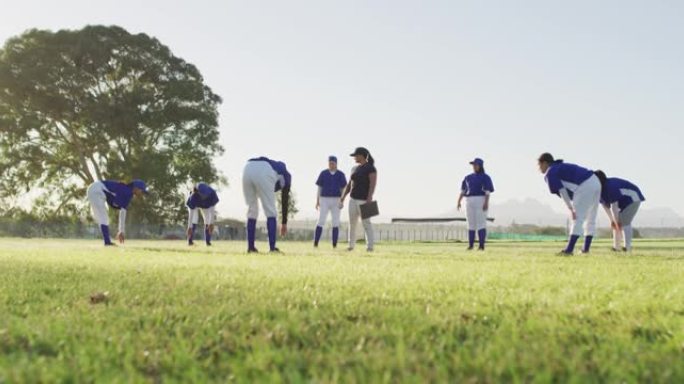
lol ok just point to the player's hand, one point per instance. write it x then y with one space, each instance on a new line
573 214
341 204
120 236
619 225
369 199
613 225
458 207
283 229
318 205
189 232
485 206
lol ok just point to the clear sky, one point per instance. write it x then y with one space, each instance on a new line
426 86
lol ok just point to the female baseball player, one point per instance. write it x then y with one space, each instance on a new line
580 189
261 179
621 201
202 197
118 196
361 187
331 183
476 188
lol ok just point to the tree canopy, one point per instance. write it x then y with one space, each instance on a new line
100 103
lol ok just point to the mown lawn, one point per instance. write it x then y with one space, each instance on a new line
408 312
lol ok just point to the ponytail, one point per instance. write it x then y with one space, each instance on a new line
602 177
370 159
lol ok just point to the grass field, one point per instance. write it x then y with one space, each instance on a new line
408 312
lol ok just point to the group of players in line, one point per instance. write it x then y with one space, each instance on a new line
581 189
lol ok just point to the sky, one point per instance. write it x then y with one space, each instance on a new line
426 86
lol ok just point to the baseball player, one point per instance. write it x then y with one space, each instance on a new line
261 179
205 198
476 188
621 201
331 183
117 195
580 189
361 188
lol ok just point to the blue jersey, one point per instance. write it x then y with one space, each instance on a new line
331 184
204 197
118 194
284 177
621 192
477 184
565 175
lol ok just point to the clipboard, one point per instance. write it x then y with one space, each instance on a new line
369 210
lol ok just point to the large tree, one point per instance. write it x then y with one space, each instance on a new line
101 103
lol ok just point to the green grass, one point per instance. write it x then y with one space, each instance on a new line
417 313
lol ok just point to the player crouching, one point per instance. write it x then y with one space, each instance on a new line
117 195
202 197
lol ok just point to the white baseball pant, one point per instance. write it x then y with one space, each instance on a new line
98 202
329 205
475 214
354 216
208 214
626 217
258 183
585 202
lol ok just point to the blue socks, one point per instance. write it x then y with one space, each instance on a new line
587 243
471 239
335 236
105 234
482 235
192 235
271 226
317 236
207 235
251 234
571 243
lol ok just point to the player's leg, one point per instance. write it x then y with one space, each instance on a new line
626 218
249 190
370 234
98 206
209 215
354 215
481 217
194 219
617 238
471 219
267 195
593 197
335 210
323 210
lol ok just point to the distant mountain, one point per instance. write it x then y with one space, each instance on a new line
659 217
531 211
527 211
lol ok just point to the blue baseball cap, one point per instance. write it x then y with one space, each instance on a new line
478 161
137 183
332 158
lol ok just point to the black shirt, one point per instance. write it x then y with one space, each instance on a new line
361 181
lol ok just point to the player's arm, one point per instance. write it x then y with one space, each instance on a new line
489 188
615 208
318 197
606 208
563 193
373 177
347 189
285 208
460 199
